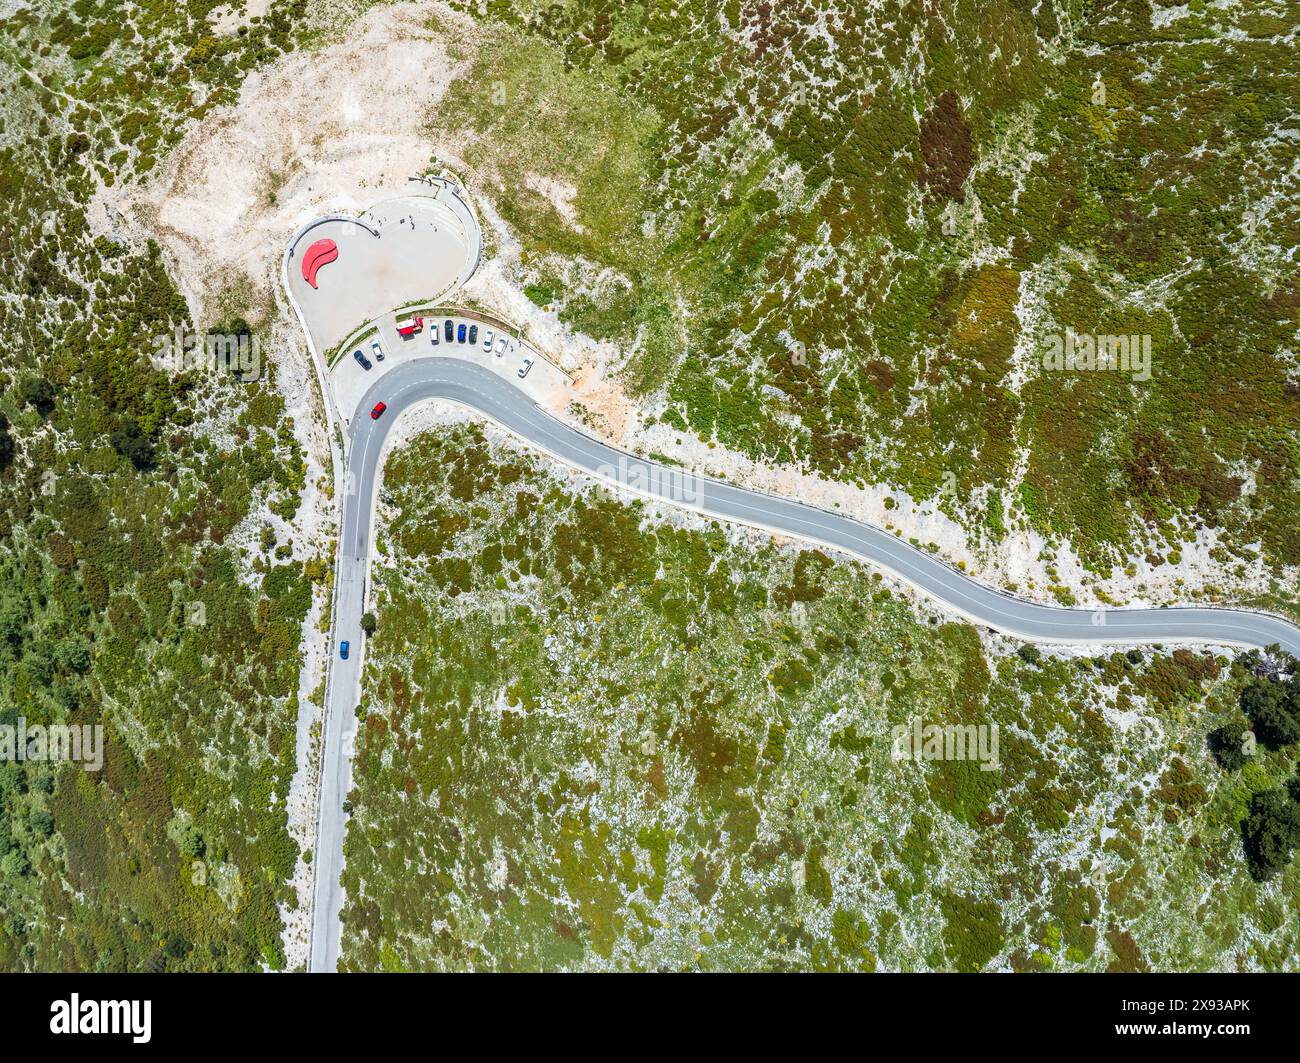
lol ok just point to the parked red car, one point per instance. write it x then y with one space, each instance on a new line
378 411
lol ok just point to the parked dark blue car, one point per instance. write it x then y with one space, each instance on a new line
447 328
460 332
473 334
362 360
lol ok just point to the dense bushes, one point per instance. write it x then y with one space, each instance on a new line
1270 703
38 393
1273 708
947 149
119 605
1271 831
815 240
1230 745
6 444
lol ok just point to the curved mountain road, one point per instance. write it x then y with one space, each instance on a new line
473 386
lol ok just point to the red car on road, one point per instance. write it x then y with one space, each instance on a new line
378 411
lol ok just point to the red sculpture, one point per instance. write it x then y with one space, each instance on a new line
319 254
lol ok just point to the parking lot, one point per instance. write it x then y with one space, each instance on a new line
544 382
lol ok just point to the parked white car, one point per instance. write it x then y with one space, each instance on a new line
523 369
502 344
378 351
487 341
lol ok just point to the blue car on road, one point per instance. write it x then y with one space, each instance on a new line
343 650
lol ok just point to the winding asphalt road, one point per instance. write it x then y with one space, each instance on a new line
494 397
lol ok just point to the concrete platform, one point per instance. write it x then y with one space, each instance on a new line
414 248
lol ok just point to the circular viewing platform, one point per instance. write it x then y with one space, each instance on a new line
344 272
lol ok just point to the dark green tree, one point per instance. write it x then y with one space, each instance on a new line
13 622
369 623
7 448
15 864
133 445
191 841
1271 707
38 393
42 823
1229 744
1270 832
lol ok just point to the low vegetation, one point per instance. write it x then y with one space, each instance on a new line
843 235
595 738
144 587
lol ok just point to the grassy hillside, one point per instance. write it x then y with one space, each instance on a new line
595 739
143 588
843 235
